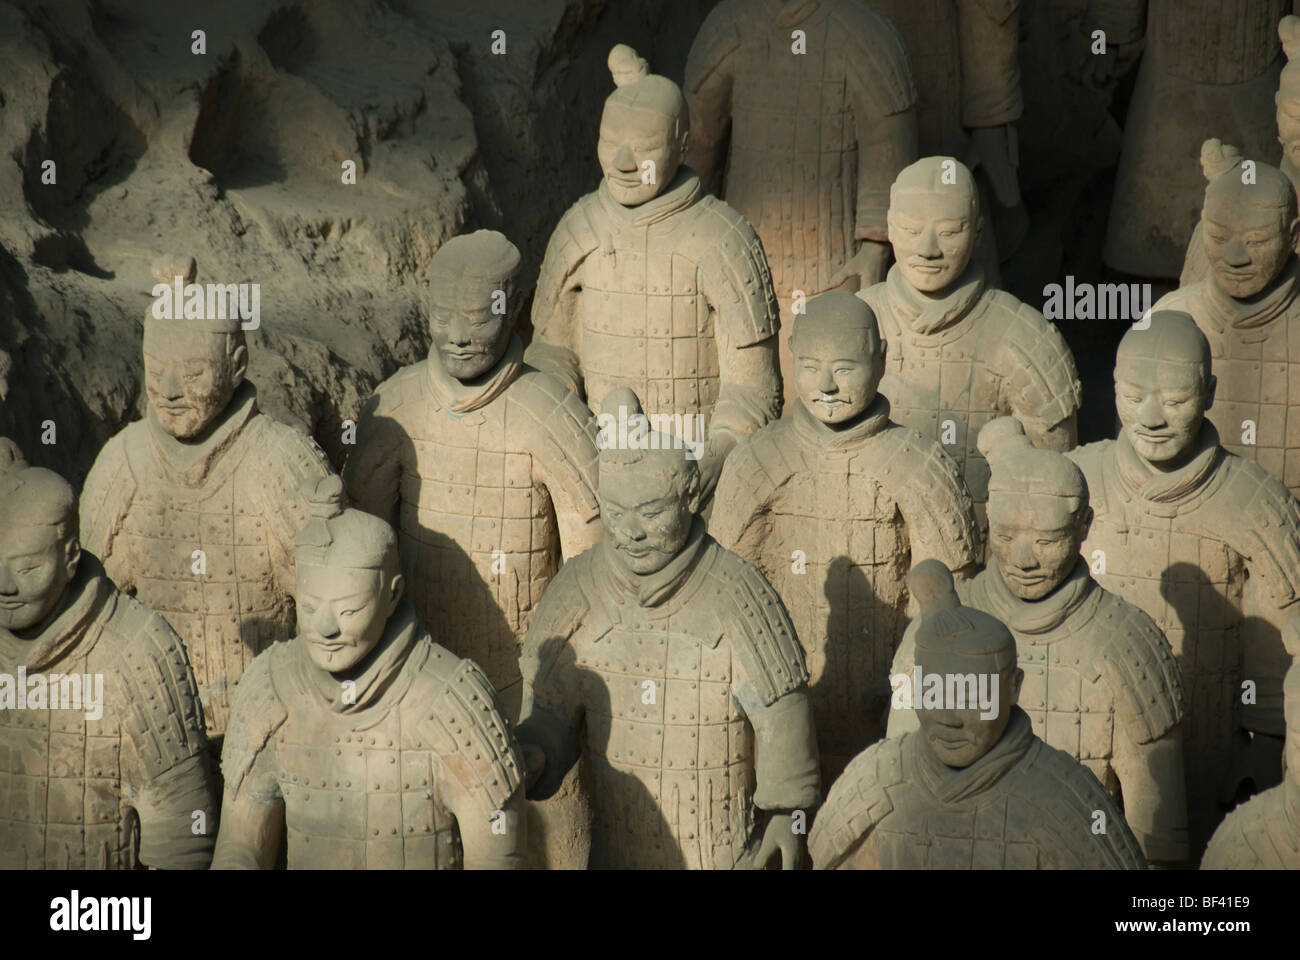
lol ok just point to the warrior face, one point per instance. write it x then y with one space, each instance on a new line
647 509
470 340
933 235
960 737
342 611
190 375
1249 233
1034 539
839 358
640 151
37 562
1163 387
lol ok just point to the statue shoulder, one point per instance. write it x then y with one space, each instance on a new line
857 802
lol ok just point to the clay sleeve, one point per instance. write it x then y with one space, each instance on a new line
742 495
104 501
903 719
550 715
491 840
709 77
785 748
750 392
1125 21
291 459
882 96
556 335
1155 794
989 35
373 470
166 806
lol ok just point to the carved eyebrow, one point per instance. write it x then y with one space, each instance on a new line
302 595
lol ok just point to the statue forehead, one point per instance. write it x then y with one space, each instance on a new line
658 474
643 114
940 657
949 203
832 318
1229 200
18 538
1029 505
174 339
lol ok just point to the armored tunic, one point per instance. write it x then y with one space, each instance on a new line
663 298
1256 359
1209 68
959 359
691 686
1261 834
388 775
1212 552
813 149
835 519
1100 680
107 792
1021 806
486 487
203 533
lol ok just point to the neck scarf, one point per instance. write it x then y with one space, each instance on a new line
192 460
65 626
846 437
652 589
1030 617
926 313
373 676
953 784
462 396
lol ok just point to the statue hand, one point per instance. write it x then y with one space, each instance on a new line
867 265
779 837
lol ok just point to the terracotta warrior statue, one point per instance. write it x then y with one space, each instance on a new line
1101 682
960 353
103 757
193 509
1248 309
1196 266
1264 832
485 466
833 504
803 132
1208 544
651 283
402 744
1209 67
965 55
675 663
973 788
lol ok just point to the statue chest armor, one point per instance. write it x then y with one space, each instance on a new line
362 798
479 542
61 804
993 830
672 756
844 591
1189 582
645 321
942 387
930 29
792 166
223 601
1068 708
1257 404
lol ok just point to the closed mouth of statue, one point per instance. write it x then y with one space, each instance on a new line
12 604
330 646
637 552
625 182
927 267
1154 437
471 355
1026 579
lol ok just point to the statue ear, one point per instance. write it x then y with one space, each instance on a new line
72 556
1210 387
238 363
1013 687
396 588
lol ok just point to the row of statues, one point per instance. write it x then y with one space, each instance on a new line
535 622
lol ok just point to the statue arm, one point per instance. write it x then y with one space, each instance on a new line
171 836
252 827
373 470
556 344
902 719
1155 794
567 468
989 37
491 840
785 749
710 73
550 716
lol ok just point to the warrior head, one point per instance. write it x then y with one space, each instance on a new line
1163 386
960 643
649 488
1038 510
1248 220
191 366
349 579
642 131
39 546
1288 91
839 357
472 301
934 220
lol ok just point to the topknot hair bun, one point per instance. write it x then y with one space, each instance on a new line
1217 158
626 66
